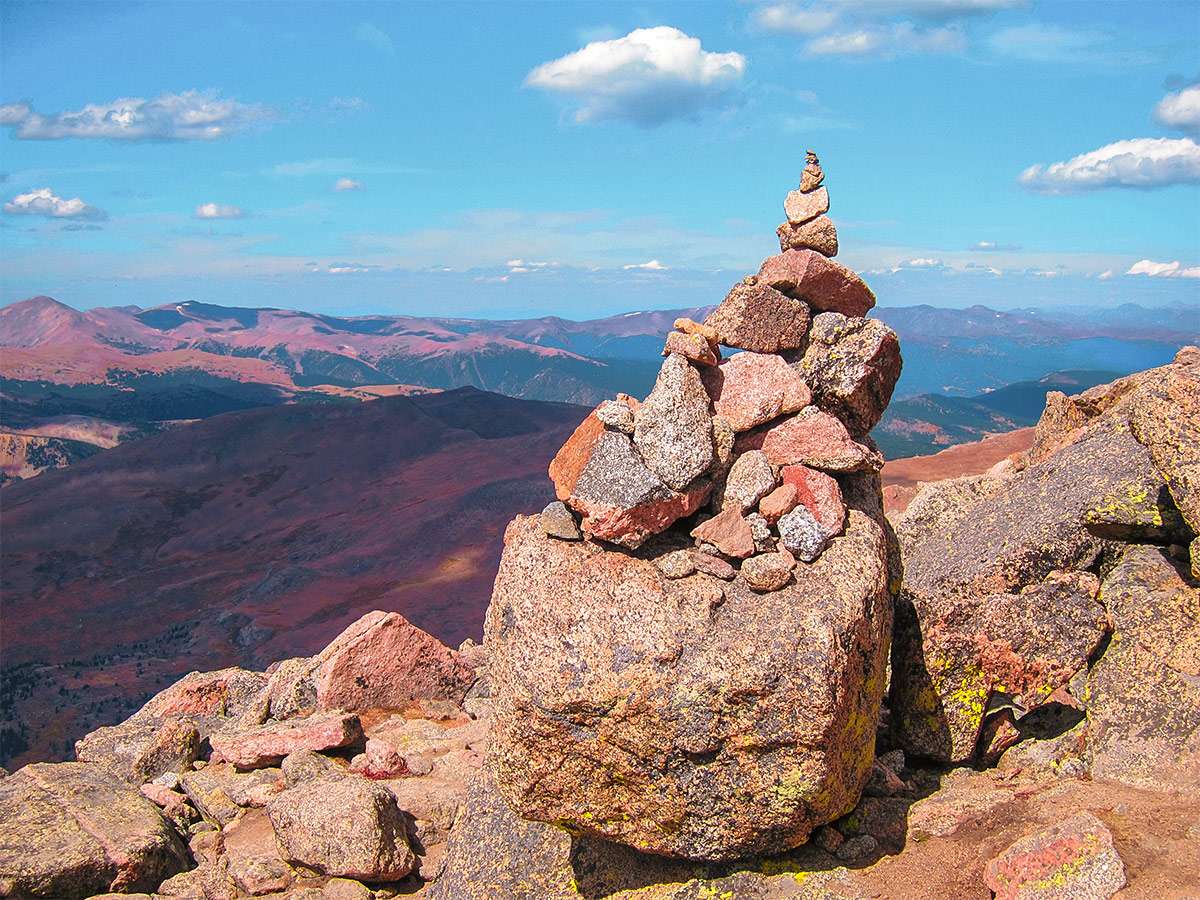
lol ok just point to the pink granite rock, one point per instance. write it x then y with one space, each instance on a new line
779 503
223 693
768 571
692 346
600 475
265 745
752 388
1074 860
820 493
820 282
383 660
818 234
802 206
728 532
755 316
811 437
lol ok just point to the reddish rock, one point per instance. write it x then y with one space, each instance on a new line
801 206
383 660
755 316
779 502
728 532
600 475
818 234
820 282
692 346
228 692
811 437
820 493
752 388
852 365
714 566
267 744
690 326
346 827
1074 860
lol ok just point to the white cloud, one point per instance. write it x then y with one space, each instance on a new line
1180 111
1163 270
923 263
376 37
217 211
44 202
348 184
650 76
887 41
1108 273
653 266
190 116
789 18
993 245
1136 163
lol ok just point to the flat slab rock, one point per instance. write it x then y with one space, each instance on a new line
1074 860
72 830
690 716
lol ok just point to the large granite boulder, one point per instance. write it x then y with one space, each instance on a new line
754 316
72 830
1143 695
691 716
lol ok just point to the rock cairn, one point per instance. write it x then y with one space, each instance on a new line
687 650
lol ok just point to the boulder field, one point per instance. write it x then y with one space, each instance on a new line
714 667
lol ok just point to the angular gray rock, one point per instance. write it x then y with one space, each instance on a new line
817 234
802 534
140 749
749 480
672 428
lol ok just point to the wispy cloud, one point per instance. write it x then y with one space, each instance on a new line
44 202
648 77
347 184
1180 111
218 211
338 166
1043 42
653 266
1163 270
1135 163
994 246
889 40
190 116
376 37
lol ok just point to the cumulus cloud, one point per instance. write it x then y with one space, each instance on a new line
348 184
44 202
648 77
217 211
653 266
1163 270
1180 111
190 116
1135 163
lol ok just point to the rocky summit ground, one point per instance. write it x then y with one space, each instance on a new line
715 668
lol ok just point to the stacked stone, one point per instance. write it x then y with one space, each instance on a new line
710 687
746 449
807 226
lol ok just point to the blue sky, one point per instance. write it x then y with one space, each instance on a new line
583 159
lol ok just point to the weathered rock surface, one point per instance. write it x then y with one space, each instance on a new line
72 830
228 692
749 480
347 827
755 316
672 429
973 647
1071 861
1143 705
768 571
813 438
802 534
268 744
851 365
729 532
752 388
820 493
817 234
822 283
557 521
687 716
691 346
600 475
142 748
802 206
